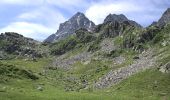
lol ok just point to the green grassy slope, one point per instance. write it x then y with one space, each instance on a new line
51 85
149 85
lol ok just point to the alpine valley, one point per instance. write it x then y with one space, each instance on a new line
116 60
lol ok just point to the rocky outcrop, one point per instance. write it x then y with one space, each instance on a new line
165 19
165 68
66 63
116 25
107 45
79 20
16 44
113 29
50 38
120 19
116 76
114 17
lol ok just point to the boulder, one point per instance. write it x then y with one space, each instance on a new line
165 68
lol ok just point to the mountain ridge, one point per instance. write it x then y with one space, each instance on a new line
103 64
77 21
65 29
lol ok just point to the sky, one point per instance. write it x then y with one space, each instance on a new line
40 18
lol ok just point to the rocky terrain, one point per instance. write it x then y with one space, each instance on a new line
16 44
118 59
79 20
145 61
165 18
121 19
111 38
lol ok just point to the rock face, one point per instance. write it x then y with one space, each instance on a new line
50 38
120 19
116 25
165 68
79 20
115 76
66 64
114 17
165 18
16 44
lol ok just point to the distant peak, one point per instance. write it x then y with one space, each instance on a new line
115 17
165 18
167 11
79 14
120 18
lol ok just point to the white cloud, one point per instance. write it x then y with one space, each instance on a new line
44 15
67 3
59 3
98 12
37 23
142 11
22 2
36 31
43 18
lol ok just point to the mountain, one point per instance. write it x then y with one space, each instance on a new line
116 25
114 17
14 44
121 19
165 18
79 20
100 63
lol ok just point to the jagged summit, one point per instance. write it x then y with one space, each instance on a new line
79 20
120 19
79 14
165 18
114 17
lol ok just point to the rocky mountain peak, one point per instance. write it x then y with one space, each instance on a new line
114 17
120 19
79 20
79 14
165 18
167 12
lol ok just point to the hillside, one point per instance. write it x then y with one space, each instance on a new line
118 59
14 45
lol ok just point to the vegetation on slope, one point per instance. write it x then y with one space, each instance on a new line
32 80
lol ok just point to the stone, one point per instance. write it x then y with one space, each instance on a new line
121 19
79 20
115 76
136 57
165 19
165 68
40 88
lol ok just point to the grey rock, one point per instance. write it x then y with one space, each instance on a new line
165 19
40 88
107 45
114 17
119 60
66 63
165 68
50 38
14 43
116 76
120 19
79 20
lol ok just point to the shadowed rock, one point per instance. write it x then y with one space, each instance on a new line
79 20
